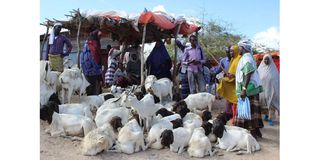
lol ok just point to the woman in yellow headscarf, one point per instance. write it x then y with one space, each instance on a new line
227 86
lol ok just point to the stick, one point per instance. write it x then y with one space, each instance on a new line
219 64
175 55
43 42
141 53
78 41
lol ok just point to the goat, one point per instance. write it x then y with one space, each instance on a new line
70 125
178 138
101 138
146 107
161 88
199 144
106 115
197 101
72 80
154 134
130 138
234 138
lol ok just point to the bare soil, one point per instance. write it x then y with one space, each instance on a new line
58 148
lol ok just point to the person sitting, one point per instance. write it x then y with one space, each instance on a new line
134 66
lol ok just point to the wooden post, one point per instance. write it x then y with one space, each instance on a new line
44 41
78 40
142 55
175 56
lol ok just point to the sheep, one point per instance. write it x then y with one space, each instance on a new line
106 115
234 138
199 144
178 138
101 138
146 107
47 110
161 88
72 80
70 125
154 134
130 138
197 101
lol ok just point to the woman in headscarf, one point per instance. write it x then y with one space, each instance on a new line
90 60
270 80
227 86
248 84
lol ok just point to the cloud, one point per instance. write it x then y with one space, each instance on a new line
159 8
267 39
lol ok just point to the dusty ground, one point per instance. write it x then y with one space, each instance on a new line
58 148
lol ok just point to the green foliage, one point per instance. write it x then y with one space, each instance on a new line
213 39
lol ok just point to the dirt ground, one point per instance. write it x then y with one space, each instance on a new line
58 148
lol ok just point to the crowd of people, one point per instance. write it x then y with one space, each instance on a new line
241 76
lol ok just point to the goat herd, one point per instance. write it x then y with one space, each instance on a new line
129 120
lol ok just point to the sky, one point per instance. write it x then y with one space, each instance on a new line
255 19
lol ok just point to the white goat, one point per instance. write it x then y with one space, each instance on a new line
236 139
146 107
199 144
72 80
93 100
154 134
130 138
99 139
70 125
149 80
181 138
78 109
161 88
199 101
192 118
106 115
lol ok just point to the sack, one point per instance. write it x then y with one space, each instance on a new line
243 109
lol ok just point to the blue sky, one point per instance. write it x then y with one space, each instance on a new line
248 17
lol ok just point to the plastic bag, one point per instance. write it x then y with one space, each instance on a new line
243 109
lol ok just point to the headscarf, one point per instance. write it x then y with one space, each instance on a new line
51 38
234 60
95 46
270 80
246 44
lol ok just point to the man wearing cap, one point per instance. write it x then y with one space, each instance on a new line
55 46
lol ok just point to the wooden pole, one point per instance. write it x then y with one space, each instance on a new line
219 64
43 42
141 54
78 40
175 55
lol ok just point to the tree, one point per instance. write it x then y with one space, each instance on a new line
213 39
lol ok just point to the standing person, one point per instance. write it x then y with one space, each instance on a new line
227 85
248 84
112 66
183 73
90 60
55 46
159 62
195 58
270 80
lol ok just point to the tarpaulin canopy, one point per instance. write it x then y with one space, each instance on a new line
125 29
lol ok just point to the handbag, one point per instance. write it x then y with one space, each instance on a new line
243 109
